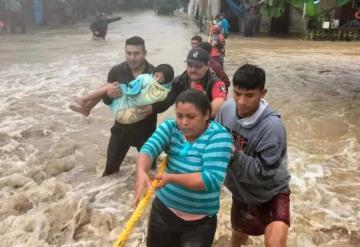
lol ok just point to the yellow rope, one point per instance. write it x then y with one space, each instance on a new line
124 235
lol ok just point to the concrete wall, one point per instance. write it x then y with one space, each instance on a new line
297 21
213 8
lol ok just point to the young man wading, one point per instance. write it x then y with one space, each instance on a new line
257 176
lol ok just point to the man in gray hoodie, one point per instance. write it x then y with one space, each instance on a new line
258 176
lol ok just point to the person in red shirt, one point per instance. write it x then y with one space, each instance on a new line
214 65
218 45
198 76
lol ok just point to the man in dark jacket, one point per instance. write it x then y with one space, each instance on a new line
100 25
199 77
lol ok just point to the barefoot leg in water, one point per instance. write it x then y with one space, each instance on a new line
78 105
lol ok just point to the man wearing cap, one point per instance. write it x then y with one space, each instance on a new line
197 76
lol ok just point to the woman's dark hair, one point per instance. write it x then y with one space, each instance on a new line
166 70
135 40
249 77
197 98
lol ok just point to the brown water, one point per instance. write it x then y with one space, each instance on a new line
51 158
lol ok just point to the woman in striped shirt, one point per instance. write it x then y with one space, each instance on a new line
187 198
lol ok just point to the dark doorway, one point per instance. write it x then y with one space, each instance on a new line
230 16
280 25
345 13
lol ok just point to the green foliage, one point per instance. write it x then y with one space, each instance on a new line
275 8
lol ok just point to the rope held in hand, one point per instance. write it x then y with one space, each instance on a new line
140 208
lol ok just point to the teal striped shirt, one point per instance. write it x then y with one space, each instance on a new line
209 155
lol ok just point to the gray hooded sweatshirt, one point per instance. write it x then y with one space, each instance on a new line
258 170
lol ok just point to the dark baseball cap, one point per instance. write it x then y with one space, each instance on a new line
197 56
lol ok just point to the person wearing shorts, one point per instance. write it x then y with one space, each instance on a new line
257 177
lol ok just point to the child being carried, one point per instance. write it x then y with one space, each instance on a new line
144 90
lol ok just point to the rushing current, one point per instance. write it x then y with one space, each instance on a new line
51 159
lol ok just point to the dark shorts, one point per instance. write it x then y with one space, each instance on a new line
253 219
165 229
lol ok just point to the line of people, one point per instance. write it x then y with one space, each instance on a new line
211 139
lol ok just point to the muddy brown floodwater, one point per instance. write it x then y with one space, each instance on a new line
51 193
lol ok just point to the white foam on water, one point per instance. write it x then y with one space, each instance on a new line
51 159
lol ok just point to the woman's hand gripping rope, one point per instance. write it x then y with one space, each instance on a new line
140 207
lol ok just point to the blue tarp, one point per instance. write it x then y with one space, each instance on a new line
38 11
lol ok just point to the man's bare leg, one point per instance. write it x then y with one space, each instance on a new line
276 234
238 238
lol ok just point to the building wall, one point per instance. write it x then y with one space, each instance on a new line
204 5
297 21
213 8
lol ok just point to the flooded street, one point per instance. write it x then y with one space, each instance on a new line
51 159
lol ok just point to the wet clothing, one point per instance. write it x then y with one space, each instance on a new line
225 27
99 26
166 229
209 155
258 170
212 86
144 90
218 48
252 220
123 136
219 71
